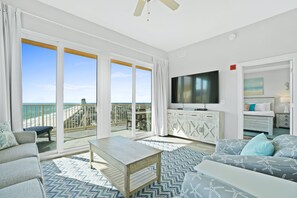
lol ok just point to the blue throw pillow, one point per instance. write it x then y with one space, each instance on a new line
258 146
252 107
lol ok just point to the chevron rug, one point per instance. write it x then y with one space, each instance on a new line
72 177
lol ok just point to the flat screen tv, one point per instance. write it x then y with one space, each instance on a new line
196 88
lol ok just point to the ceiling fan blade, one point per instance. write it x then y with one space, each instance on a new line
172 4
139 7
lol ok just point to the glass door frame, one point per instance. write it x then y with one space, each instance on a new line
61 44
60 85
134 64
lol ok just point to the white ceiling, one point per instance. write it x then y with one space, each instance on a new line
193 21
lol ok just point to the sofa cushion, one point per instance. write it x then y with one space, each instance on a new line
19 171
31 188
18 152
285 146
258 146
7 138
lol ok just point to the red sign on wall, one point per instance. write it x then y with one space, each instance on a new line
233 67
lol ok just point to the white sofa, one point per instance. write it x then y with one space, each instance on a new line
20 170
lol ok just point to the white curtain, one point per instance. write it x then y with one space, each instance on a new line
10 66
160 102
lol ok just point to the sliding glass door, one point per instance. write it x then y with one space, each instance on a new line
121 98
39 92
130 99
73 101
143 111
80 113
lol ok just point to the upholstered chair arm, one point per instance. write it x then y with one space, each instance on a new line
201 185
24 137
230 146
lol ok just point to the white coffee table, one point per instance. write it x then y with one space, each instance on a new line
127 163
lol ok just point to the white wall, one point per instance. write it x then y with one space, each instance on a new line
272 37
274 85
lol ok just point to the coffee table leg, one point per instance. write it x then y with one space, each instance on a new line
127 182
158 167
91 157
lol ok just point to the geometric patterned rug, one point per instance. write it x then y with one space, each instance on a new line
72 176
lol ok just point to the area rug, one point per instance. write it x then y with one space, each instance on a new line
72 176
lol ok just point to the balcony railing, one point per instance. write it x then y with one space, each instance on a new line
77 116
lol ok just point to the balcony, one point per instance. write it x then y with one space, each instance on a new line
80 122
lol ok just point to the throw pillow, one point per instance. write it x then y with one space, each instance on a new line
285 146
258 146
246 107
7 138
252 107
267 106
260 107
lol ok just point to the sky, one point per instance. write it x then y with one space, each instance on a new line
39 78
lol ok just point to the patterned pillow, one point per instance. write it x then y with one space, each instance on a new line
285 146
7 138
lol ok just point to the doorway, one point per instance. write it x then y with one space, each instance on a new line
266 97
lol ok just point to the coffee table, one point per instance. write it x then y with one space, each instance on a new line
128 163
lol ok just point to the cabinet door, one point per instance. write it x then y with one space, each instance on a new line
171 122
210 125
182 125
196 126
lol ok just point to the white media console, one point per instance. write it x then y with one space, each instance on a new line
204 126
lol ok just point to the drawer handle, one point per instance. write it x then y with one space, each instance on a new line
194 115
209 116
180 114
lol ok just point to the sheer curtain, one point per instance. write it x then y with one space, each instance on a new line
160 102
10 66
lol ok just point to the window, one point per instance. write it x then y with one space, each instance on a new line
80 113
143 115
39 92
121 98
131 99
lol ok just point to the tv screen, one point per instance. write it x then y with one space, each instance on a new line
196 88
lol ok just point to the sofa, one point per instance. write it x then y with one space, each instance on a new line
282 164
226 172
21 174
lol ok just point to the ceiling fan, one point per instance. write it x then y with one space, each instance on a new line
172 4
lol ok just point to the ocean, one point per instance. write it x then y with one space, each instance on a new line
32 110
